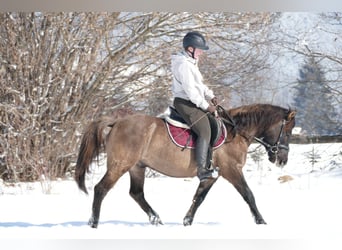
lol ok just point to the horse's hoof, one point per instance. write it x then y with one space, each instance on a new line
260 221
187 221
155 220
92 223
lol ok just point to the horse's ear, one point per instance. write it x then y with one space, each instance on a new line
291 115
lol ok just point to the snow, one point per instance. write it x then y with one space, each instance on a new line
308 207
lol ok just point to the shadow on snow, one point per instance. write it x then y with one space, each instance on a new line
82 223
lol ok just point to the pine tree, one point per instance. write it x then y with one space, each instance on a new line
316 112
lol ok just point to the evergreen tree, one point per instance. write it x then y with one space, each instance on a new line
317 115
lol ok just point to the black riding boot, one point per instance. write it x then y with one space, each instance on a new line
203 163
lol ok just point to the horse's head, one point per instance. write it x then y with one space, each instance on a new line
276 138
269 125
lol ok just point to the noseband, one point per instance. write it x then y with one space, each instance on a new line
276 146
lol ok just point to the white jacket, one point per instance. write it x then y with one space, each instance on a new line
188 81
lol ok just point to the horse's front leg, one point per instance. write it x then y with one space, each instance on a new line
248 196
237 179
199 197
137 175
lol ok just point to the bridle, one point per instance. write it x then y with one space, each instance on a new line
277 145
269 148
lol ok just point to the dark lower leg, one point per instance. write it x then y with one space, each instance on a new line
100 191
136 191
99 195
248 196
197 200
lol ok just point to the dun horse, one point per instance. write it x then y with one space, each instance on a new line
139 141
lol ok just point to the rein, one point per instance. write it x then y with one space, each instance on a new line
224 116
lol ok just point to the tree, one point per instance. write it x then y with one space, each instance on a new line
315 39
60 70
318 115
241 55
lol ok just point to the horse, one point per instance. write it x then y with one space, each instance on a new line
138 141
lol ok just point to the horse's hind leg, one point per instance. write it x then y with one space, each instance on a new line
199 197
100 191
136 191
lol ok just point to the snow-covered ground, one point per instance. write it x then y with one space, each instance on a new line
307 207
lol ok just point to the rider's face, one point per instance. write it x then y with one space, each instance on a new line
197 54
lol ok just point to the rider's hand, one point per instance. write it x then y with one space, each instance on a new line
214 101
211 109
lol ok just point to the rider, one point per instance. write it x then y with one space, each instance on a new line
190 98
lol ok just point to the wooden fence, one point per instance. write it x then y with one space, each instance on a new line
303 139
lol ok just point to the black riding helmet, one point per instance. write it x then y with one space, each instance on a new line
194 39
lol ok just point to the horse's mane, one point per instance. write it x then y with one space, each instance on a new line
261 115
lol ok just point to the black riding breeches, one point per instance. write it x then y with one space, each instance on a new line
195 117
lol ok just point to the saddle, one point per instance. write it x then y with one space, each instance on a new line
182 135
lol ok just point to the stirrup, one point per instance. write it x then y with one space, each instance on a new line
210 172
214 169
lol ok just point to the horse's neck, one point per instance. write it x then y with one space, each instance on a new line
249 133
254 120
249 129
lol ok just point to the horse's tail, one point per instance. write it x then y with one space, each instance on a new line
92 141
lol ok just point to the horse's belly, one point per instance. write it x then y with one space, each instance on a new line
175 163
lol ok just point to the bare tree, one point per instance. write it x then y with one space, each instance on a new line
60 70
241 57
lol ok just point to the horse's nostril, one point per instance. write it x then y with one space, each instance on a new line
281 163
